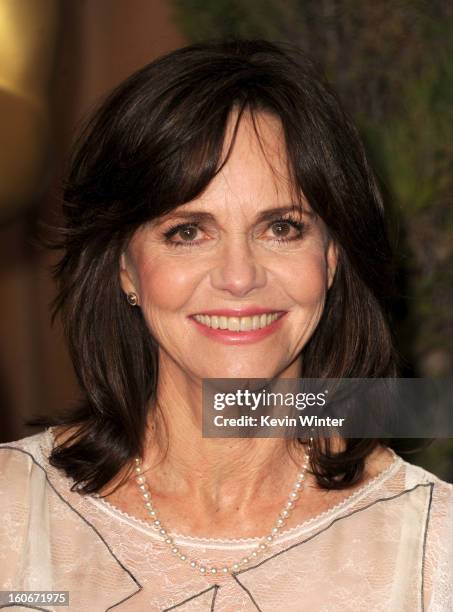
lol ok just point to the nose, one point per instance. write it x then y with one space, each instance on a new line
238 272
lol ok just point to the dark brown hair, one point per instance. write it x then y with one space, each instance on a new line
156 143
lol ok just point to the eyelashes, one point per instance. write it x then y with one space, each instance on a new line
192 228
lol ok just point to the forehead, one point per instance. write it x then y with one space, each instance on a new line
255 173
257 136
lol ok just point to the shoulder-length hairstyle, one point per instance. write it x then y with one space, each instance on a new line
156 143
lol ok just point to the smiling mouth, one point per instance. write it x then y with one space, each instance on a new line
238 324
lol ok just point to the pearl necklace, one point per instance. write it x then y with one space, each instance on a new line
261 546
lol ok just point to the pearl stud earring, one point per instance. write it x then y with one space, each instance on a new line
132 298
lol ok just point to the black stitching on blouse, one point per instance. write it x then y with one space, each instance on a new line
429 484
428 514
181 603
87 522
216 588
248 592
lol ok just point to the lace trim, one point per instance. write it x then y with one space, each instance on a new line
235 543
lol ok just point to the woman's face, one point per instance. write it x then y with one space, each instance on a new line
233 283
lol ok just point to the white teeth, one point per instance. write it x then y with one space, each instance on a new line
233 323
223 323
237 323
246 323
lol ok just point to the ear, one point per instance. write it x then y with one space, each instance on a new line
332 261
126 274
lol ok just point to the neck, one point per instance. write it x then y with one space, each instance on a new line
216 471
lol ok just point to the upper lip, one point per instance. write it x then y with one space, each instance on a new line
238 312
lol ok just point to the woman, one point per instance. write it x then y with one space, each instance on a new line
220 221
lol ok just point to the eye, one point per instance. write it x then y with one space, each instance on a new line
187 233
191 234
183 234
281 228
286 230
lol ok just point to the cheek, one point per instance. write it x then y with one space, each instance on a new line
166 284
307 280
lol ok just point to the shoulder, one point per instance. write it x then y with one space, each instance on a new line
22 464
28 442
440 500
26 450
384 460
428 512
46 539
415 474
23 485
438 544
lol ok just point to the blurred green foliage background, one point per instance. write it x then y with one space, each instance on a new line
391 62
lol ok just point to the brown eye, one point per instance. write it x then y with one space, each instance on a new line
183 234
281 229
188 233
286 230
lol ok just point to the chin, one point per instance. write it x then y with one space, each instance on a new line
241 371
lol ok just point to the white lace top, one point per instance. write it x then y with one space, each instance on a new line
387 547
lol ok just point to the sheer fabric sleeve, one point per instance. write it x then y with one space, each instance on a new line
46 545
14 512
439 551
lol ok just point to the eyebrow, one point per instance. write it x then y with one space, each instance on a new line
264 215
